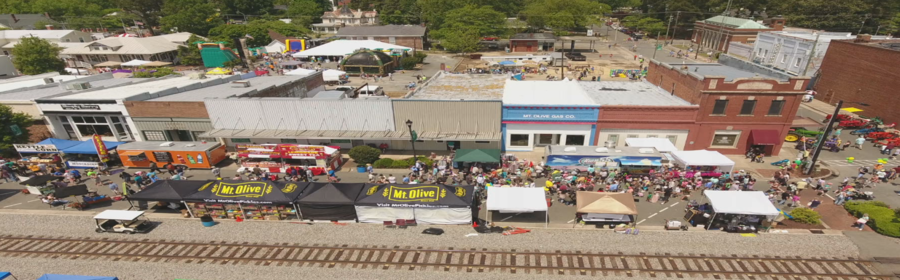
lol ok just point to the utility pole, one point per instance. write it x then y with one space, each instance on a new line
656 47
877 29
722 27
667 29
818 149
863 24
678 13
811 54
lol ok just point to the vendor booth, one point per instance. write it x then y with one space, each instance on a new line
46 152
76 154
464 158
332 76
329 201
278 157
517 200
709 163
426 204
190 154
40 185
170 192
735 211
257 200
606 208
627 159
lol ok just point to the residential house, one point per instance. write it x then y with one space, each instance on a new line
532 42
63 38
24 21
124 49
336 19
411 36
719 31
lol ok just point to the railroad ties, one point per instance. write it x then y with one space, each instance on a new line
472 260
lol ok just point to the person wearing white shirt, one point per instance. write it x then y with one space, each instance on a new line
392 179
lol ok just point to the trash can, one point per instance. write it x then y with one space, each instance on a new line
207 221
361 169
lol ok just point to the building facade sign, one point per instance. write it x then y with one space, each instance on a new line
83 164
79 106
35 148
557 114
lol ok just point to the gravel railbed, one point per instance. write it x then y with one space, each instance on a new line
695 241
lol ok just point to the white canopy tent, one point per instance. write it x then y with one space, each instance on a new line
332 75
741 202
517 200
345 47
300 72
703 158
136 62
661 144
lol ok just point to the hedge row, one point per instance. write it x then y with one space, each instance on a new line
401 163
881 218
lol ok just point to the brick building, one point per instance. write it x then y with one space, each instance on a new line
532 42
862 70
736 109
719 31
411 36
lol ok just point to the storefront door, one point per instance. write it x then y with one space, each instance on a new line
546 139
180 135
453 145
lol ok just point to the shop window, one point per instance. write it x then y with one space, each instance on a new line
520 140
748 107
652 136
797 62
70 131
632 136
91 129
289 141
155 135
672 138
719 108
140 157
776 108
240 140
725 138
547 139
614 138
197 137
577 140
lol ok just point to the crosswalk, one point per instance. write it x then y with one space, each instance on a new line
865 162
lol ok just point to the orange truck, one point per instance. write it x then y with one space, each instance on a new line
190 154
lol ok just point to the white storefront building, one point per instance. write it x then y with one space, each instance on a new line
544 113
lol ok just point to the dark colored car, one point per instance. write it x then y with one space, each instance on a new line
576 56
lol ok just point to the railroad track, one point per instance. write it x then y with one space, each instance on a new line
446 259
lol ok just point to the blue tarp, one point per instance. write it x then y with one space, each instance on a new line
74 277
506 62
59 143
87 147
638 161
4 274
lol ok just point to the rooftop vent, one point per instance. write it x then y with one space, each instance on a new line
78 86
569 149
198 76
602 150
646 150
167 144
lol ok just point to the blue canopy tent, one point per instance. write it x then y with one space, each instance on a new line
59 143
4 275
87 147
507 63
74 277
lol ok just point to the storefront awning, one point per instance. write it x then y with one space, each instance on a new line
764 137
805 122
477 155
131 153
351 134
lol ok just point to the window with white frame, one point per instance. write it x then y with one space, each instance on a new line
783 58
797 62
90 125
672 138
155 135
614 138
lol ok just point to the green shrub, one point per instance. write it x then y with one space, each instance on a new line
420 56
400 164
806 216
882 219
408 63
363 155
383 163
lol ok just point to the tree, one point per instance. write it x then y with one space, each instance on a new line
13 130
190 54
305 12
363 154
834 15
483 20
461 41
194 16
154 73
564 14
258 29
434 11
148 11
34 56
246 7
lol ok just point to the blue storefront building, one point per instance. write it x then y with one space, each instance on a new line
544 113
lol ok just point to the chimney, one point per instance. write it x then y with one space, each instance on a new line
863 38
14 18
49 27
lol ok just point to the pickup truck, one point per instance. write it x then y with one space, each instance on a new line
575 56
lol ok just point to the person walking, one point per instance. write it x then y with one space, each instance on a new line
217 172
860 141
114 188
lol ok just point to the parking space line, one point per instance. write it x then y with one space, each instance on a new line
651 216
11 205
570 221
641 221
33 200
510 217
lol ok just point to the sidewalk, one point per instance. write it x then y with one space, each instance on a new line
763 170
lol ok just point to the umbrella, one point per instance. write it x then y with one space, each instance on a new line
219 71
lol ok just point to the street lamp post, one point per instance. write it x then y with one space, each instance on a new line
828 127
412 138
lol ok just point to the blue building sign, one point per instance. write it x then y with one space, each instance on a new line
550 114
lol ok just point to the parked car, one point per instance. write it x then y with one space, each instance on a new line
576 56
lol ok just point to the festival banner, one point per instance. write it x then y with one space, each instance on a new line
102 152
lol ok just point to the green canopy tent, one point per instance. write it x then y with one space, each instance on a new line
477 155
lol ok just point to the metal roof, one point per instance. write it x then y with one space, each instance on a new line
150 89
227 89
719 70
126 45
44 34
545 93
382 30
736 23
462 87
534 36
630 93
350 134
301 114
54 89
176 146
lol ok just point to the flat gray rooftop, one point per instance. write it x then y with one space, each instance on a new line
719 70
463 87
54 89
630 93
227 89
178 146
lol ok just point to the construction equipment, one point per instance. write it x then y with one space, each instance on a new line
798 132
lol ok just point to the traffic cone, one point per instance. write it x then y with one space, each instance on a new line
238 218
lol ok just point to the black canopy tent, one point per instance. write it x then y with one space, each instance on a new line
71 191
249 192
169 191
329 201
427 204
40 181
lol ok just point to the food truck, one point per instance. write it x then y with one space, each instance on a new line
627 159
190 154
276 158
